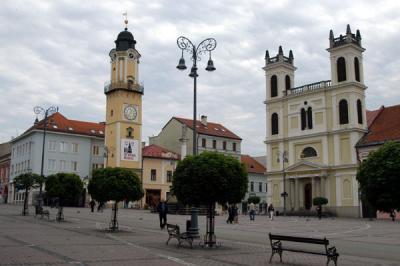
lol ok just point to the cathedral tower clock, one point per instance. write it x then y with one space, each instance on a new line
124 105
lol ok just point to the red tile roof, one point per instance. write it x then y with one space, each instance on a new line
59 123
385 126
211 129
155 151
252 165
371 115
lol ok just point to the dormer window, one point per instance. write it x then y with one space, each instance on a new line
70 128
92 131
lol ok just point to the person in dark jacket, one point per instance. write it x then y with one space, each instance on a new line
92 204
162 210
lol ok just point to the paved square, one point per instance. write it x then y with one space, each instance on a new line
83 240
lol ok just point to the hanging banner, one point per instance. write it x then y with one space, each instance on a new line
129 150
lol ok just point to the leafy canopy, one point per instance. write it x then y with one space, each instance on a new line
379 177
254 199
208 178
115 184
320 201
65 186
27 181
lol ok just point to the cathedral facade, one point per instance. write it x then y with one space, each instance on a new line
312 130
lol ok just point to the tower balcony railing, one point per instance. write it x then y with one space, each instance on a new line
128 86
309 87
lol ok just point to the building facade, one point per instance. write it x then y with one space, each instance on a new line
257 180
177 136
158 167
70 146
124 106
5 162
312 130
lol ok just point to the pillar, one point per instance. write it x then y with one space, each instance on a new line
296 194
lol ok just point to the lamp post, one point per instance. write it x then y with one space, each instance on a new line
46 112
204 47
284 193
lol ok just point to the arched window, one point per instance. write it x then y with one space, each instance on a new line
274 86
309 117
308 152
287 82
343 112
341 69
357 68
359 112
303 119
274 124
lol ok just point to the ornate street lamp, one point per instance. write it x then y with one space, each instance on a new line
284 193
46 112
205 47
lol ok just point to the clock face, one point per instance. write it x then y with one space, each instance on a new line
130 112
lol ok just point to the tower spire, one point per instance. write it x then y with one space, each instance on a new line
125 19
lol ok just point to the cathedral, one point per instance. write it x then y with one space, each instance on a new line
312 130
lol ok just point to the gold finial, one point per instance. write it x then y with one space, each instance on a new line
126 19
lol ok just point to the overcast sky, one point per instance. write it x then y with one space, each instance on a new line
56 53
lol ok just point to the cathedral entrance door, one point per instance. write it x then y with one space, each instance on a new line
307 196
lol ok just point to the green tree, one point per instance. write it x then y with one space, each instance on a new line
209 178
379 178
254 199
116 184
64 186
26 181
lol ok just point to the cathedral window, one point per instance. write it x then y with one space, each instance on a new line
274 124
357 69
343 112
359 112
306 118
274 86
341 69
308 152
287 82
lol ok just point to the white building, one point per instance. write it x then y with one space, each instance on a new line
70 146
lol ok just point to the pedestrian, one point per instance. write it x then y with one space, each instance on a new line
252 211
271 211
265 208
230 214
392 215
162 209
100 206
92 204
235 214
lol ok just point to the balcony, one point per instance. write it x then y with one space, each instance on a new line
309 87
127 86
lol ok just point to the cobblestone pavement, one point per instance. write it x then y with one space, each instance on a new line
82 239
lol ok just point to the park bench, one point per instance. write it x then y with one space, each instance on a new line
40 211
277 247
174 232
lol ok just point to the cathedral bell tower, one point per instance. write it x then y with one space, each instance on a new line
124 105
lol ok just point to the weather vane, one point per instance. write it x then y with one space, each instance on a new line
126 19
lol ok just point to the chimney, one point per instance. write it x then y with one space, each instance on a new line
204 120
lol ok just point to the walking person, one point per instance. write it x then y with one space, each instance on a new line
252 211
235 214
100 206
92 204
162 209
230 214
271 211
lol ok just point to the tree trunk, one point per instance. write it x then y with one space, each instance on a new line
114 223
25 207
210 238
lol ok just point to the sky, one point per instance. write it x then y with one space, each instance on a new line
56 53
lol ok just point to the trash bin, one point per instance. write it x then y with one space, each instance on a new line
188 225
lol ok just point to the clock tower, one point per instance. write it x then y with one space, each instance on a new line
124 105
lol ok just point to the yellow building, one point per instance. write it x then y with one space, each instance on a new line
124 106
158 167
312 130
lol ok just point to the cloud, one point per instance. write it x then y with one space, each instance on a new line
56 53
